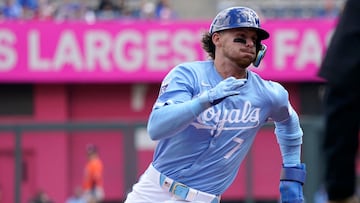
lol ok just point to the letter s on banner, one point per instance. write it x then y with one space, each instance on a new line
8 56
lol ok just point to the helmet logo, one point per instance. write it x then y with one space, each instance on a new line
248 16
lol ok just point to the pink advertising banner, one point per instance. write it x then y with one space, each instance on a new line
140 51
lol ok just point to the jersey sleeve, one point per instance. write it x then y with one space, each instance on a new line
177 87
280 102
177 105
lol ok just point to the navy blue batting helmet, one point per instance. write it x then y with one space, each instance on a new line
238 17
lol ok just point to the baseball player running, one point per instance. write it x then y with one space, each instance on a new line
208 114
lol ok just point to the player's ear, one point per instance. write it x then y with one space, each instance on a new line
260 55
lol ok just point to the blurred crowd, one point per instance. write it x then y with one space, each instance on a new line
88 10
92 10
327 9
289 9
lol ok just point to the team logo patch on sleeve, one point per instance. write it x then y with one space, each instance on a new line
164 85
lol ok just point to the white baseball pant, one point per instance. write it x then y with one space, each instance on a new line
149 189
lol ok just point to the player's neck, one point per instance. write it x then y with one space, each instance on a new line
227 71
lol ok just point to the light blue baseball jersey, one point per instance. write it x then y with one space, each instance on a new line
206 150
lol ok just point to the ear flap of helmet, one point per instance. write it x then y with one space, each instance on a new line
260 55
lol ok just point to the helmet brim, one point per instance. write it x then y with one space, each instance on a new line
262 34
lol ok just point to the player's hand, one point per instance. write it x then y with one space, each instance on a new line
291 184
228 87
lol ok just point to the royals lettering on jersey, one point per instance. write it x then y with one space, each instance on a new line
228 119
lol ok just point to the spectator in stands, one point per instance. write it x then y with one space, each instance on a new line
146 10
108 10
69 10
29 7
1 15
78 10
89 14
93 177
329 10
164 11
46 10
12 10
28 3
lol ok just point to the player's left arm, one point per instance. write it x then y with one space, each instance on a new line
293 173
289 136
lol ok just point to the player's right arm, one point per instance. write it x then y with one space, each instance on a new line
178 105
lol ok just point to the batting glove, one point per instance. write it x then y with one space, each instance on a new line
291 184
225 88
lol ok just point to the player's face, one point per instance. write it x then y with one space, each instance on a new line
238 45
